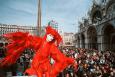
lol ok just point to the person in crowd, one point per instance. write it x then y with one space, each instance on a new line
93 63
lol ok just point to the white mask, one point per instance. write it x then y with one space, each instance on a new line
49 38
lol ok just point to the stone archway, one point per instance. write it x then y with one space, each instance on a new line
97 16
108 37
110 7
92 38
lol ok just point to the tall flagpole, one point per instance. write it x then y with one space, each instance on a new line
39 18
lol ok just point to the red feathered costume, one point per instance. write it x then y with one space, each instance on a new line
43 52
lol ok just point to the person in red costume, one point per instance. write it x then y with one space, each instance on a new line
45 48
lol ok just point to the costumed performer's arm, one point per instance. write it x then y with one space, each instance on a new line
19 41
61 61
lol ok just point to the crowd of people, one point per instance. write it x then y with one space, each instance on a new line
91 63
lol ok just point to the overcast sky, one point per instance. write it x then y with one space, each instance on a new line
66 13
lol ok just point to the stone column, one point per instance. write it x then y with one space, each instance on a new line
80 42
99 42
39 18
86 42
101 46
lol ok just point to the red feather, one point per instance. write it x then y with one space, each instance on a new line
20 41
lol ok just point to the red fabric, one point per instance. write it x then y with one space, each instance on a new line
61 61
44 50
19 41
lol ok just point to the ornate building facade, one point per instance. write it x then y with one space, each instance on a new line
4 28
68 40
98 30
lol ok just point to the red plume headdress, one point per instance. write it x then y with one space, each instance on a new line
57 37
